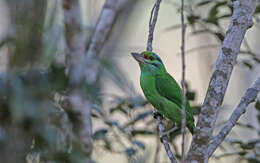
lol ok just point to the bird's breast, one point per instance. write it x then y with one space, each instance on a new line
150 92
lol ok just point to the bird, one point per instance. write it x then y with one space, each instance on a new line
162 90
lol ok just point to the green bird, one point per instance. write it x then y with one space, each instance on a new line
161 89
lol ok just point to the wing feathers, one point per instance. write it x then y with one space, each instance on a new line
169 88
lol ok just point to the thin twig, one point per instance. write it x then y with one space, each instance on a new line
171 131
152 23
164 140
248 98
183 112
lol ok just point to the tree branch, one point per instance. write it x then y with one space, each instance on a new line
248 98
83 63
152 23
75 53
164 140
75 40
240 22
109 14
183 110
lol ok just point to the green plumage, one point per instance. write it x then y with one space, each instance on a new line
161 89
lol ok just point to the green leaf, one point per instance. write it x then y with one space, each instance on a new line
220 36
225 16
253 158
98 110
137 101
130 152
257 106
139 144
118 108
248 64
100 134
249 126
143 115
114 123
250 144
141 132
204 3
213 13
234 141
192 19
108 145
200 31
257 60
6 41
257 10
139 117
57 77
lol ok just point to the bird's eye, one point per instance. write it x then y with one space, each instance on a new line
145 56
151 58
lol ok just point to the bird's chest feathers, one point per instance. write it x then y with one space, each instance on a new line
149 88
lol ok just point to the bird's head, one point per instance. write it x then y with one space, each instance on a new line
149 61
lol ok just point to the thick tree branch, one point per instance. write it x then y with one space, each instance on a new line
248 98
75 53
83 63
109 14
75 39
240 22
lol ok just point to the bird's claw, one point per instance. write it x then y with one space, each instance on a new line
167 133
156 114
162 136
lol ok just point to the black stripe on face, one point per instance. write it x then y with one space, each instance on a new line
159 59
156 65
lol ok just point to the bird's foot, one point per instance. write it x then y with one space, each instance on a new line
162 136
156 114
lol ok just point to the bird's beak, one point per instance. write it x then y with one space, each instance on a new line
138 57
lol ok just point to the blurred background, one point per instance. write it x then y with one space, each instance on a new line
51 110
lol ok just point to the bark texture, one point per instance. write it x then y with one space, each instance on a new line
248 98
109 14
83 62
75 54
241 21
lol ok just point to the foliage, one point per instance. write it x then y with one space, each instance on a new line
246 150
213 21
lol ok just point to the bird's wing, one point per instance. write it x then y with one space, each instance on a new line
169 88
